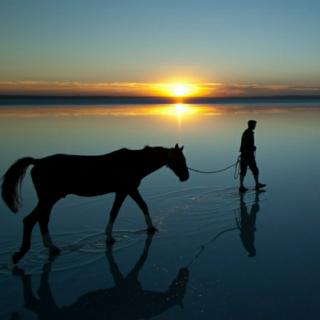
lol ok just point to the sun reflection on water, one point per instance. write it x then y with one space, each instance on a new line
179 111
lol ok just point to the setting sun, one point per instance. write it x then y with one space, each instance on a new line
177 89
181 89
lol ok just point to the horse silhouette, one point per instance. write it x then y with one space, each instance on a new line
56 176
126 300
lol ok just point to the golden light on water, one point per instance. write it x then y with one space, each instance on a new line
179 110
175 111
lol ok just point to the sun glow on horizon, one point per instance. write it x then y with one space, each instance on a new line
178 89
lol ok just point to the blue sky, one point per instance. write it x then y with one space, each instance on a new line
230 42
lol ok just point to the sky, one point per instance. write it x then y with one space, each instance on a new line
125 47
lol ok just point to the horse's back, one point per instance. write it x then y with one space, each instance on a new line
70 163
83 175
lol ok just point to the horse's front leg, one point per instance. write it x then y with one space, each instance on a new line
135 195
120 196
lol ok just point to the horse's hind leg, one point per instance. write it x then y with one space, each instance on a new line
43 223
28 224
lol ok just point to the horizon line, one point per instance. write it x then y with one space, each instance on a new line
157 98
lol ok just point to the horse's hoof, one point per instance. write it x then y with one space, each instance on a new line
16 258
152 230
55 251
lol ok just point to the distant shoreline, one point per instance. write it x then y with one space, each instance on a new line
57 99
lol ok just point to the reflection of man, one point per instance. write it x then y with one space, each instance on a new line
247 224
247 156
126 300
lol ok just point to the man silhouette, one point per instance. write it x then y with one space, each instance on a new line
247 157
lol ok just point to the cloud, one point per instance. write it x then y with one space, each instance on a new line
73 87
251 90
149 89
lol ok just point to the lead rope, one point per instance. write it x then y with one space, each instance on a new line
202 247
236 170
236 166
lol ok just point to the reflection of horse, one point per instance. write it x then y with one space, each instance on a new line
57 176
126 300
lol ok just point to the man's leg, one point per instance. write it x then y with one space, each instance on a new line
243 171
254 168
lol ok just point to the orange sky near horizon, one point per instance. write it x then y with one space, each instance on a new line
161 89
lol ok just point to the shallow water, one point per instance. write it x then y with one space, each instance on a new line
197 266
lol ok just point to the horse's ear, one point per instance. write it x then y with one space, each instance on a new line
176 146
181 148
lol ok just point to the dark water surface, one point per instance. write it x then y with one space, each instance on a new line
217 255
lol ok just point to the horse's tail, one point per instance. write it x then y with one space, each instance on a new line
12 180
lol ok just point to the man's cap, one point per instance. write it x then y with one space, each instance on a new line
251 122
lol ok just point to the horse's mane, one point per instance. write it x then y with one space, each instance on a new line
157 152
157 148
146 148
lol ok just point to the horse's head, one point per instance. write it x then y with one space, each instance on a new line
177 163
